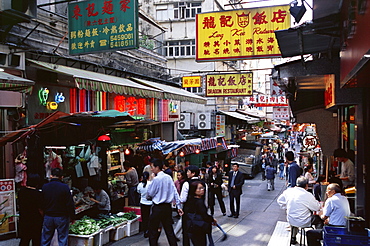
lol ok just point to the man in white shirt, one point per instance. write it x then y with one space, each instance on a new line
162 192
335 210
299 204
347 174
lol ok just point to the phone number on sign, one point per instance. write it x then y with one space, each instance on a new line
121 40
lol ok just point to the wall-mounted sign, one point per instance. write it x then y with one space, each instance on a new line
7 201
220 125
191 81
309 142
240 34
329 90
105 25
266 101
281 113
237 84
132 105
44 96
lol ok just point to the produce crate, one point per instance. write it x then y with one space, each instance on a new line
336 230
133 226
103 237
118 232
331 239
83 240
137 210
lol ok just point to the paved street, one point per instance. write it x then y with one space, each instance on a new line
255 225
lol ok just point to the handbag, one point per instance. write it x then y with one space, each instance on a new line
197 224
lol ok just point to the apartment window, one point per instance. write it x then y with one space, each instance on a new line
195 89
186 10
181 48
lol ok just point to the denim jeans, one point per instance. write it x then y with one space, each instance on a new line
61 224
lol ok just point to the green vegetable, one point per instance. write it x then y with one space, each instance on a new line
130 215
85 226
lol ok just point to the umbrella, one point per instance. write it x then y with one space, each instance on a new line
225 235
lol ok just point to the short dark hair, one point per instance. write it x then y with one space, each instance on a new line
302 182
158 163
57 172
236 164
289 156
340 153
182 173
193 169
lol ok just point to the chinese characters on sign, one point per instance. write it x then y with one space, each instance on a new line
309 142
266 101
104 25
191 81
237 84
281 113
240 34
276 91
134 106
220 125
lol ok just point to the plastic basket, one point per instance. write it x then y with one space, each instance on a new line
332 239
336 230
83 240
118 232
133 226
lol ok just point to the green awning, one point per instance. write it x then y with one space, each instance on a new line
173 93
93 81
9 82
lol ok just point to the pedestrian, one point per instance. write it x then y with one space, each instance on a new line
281 169
215 182
162 192
145 204
308 175
192 173
30 215
299 204
236 181
132 180
317 188
58 208
197 214
101 199
334 213
270 176
294 171
347 174
181 178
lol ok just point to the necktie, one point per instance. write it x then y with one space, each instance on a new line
233 180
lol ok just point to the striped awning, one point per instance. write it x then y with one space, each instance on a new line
9 82
93 81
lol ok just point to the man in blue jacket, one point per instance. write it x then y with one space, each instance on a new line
294 170
58 208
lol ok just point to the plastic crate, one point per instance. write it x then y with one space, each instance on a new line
83 240
331 239
133 226
336 230
135 209
103 237
118 232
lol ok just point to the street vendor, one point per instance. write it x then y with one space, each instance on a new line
101 199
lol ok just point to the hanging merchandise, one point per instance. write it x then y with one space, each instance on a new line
20 168
93 164
52 161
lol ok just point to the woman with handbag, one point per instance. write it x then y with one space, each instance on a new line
198 221
215 182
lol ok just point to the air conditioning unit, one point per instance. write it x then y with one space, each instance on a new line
18 10
184 123
204 121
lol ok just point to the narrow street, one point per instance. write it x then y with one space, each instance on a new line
255 225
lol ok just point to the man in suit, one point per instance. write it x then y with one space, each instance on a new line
236 181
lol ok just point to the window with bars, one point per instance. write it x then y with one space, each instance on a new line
186 10
180 48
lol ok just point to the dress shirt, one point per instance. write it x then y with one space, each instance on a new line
162 190
299 204
336 208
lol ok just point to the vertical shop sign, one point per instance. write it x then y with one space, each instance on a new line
220 125
276 91
329 90
239 84
240 34
281 113
106 25
7 207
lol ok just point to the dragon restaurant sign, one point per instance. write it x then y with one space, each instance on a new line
236 84
240 34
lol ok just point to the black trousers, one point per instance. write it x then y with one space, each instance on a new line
314 237
234 195
212 200
198 239
161 213
145 213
